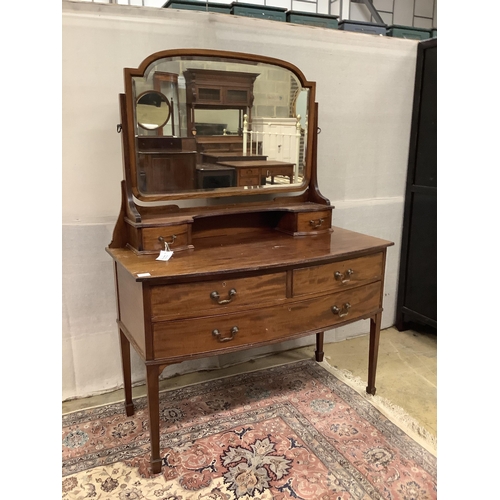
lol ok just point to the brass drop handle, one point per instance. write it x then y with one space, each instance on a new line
316 223
344 278
216 333
161 239
341 312
231 294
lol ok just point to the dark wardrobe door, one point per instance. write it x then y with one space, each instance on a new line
417 292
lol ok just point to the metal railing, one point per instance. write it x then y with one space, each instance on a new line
415 13
274 144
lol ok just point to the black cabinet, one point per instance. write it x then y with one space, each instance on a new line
417 292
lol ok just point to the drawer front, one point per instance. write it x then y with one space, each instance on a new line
216 297
210 335
175 236
249 172
314 221
338 275
249 181
279 171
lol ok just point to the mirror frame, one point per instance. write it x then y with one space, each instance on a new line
128 124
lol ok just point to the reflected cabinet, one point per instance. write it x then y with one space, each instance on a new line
221 245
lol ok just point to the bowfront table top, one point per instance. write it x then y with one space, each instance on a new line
247 251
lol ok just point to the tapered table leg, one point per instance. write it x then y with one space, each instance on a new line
319 346
127 374
154 416
373 354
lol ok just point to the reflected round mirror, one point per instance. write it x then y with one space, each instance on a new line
152 110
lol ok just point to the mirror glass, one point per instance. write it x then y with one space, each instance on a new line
218 123
152 110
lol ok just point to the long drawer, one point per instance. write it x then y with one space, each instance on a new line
216 297
337 275
267 324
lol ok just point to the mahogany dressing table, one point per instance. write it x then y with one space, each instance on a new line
245 266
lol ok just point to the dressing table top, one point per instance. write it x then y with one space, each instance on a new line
271 250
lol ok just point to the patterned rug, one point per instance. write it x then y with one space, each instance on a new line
289 432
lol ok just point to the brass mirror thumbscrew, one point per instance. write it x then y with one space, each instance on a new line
344 278
341 312
231 294
216 333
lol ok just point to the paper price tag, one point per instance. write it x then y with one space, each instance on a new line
165 255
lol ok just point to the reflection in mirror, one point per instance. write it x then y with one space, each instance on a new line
152 110
217 122
301 108
235 124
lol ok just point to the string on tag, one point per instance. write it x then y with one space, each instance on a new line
165 254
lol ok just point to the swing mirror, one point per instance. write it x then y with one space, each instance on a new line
209 123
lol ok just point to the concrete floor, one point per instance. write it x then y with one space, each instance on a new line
406 372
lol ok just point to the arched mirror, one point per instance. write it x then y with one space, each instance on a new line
213 123
152 110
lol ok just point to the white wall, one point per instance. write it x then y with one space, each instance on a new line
364 90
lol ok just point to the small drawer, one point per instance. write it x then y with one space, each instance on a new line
306 223
154 238
227 332
314 221
279 171
249 181
249 172
216 297
338 275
